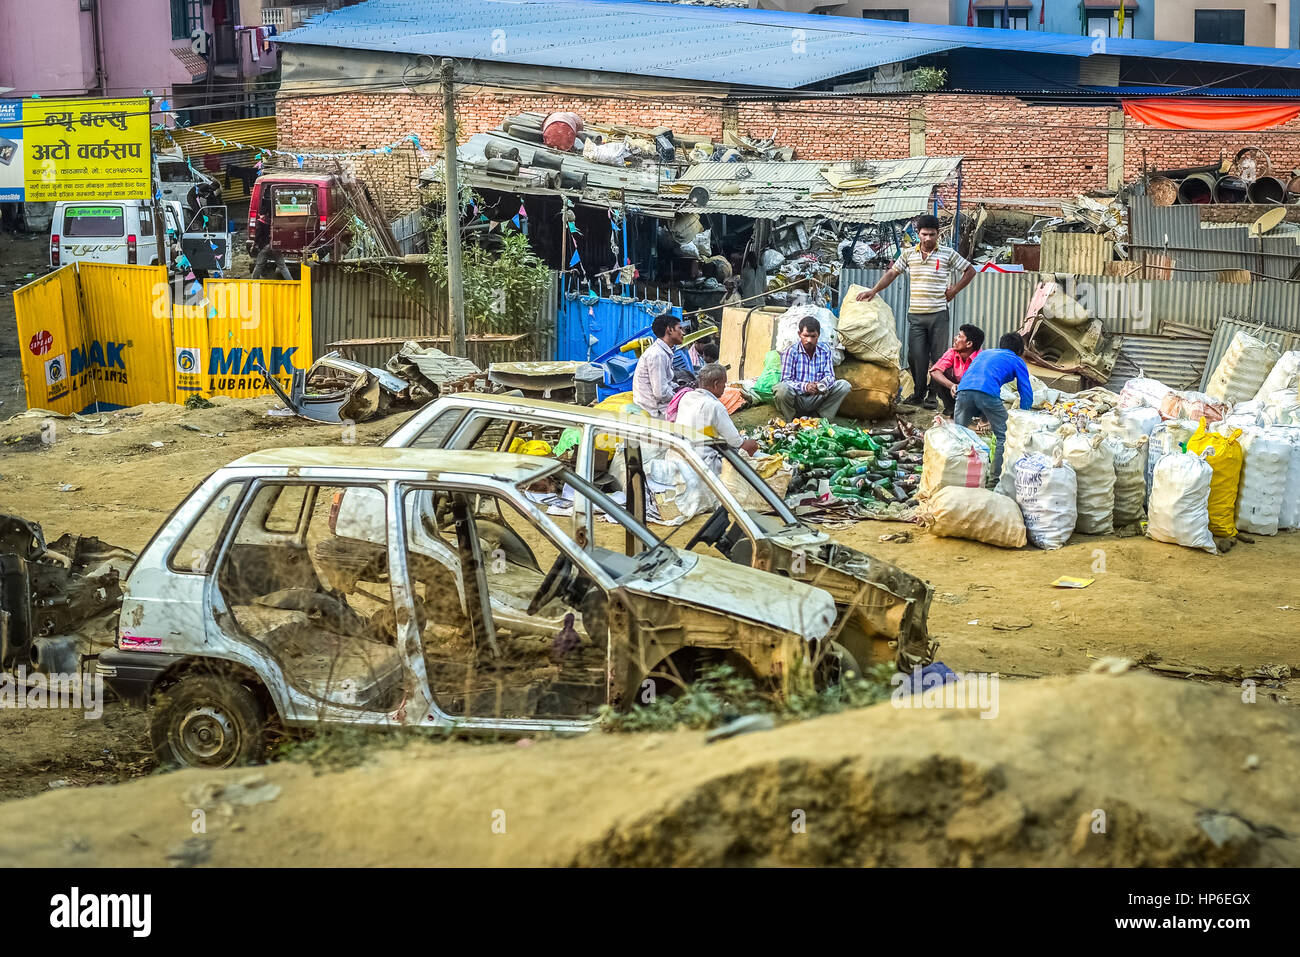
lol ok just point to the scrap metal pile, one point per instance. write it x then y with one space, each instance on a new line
58 601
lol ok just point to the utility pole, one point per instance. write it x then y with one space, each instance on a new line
455 289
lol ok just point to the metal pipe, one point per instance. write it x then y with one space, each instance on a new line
1266 190
455 289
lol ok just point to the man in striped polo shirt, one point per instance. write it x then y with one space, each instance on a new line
930 269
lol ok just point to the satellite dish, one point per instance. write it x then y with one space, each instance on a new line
1268 221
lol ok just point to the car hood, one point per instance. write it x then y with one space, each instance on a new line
745 592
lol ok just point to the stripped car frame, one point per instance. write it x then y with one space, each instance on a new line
237 618
881 609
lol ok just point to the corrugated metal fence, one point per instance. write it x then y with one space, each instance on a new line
1193 246
1164 325
608 321
375 306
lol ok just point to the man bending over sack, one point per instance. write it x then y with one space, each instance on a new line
980 389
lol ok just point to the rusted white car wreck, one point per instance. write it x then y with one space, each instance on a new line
409 587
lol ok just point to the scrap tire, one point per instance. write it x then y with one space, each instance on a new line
205 721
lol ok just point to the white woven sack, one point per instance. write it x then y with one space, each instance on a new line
1242 370
1179 511
1266 460
1046 492
1094 472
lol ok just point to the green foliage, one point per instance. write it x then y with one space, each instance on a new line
929 78
197 401
722 694
502 287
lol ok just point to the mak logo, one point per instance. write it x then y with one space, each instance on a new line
187 360
236 362
106 355
41 343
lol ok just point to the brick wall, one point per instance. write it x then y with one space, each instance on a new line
1012 149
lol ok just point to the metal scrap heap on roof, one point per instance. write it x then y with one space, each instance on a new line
858 191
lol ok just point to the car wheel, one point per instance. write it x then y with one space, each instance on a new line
204 721
835 665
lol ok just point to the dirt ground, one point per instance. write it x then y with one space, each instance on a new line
1132 770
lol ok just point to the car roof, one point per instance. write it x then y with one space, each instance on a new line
421 463
578 413
317 179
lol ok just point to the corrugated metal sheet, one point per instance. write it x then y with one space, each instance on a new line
1177 362
1285 341
649 39
1082 254
359 301
774 190
408 230
995 302
610 322
736 46
1208 247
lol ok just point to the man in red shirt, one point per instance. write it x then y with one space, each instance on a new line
952 365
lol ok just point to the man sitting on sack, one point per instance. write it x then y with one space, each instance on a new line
952 365
808 387
701 408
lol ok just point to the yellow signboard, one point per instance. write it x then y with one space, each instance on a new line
86 149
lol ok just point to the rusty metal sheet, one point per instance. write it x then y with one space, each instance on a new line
1081 254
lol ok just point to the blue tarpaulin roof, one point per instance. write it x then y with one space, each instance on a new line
758 48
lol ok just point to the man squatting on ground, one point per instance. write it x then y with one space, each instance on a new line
930 269
952 365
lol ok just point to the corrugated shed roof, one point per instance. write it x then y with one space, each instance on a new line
800 188
731 46
652 39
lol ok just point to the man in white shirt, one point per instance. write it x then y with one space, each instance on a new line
652 382
702 409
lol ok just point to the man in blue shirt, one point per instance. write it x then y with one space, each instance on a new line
980 389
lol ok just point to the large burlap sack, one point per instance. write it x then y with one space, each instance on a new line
1130 458
1047 493
954 456
875 389
1094 472
1266 458
1285 374
1179 512
867 330
1242 370
978 514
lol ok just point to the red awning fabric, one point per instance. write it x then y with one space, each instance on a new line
1168 113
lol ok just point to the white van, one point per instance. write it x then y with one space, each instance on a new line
118 231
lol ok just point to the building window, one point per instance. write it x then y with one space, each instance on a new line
1099 24
187 16
902 16
1016 19
1221 26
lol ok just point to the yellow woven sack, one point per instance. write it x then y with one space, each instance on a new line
1225 463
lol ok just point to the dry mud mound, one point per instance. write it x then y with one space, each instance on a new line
1131 770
